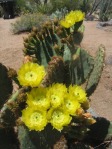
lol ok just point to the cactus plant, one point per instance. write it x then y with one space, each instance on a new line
49 96
5 85
54 40
95 74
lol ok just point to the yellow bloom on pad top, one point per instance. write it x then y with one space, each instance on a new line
31 74
71 18
56 93
78 15
78 93
71 104
58 118
37 97
68 21
34 119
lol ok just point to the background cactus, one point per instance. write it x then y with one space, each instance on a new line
95 74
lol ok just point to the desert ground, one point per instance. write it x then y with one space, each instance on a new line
11 55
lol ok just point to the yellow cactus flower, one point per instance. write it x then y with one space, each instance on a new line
78 15
37 97
68 21
59 118
71 104
34 119
31 74
71 18
78 93
56 94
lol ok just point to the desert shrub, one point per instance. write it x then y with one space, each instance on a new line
23 6
105 10
69 4
86 5
45 8
27 21
102 7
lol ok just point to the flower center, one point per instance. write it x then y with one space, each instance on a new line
55 100
39 100
36 118
30 76
58 116
77 93
68 104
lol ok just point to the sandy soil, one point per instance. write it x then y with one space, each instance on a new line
101 101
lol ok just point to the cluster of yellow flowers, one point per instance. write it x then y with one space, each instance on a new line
72 18
55 104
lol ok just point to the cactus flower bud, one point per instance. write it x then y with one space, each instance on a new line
34 29
90 121
56 47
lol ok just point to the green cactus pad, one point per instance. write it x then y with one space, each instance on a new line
80 67
97 70
55 71
24 138
101 130
37 140
5 85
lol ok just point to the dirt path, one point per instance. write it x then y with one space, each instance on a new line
10 45
101 101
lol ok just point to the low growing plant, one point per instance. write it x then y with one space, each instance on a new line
27 21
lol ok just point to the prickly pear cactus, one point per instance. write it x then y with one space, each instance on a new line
97 70
37 140
55 71
101 130
80 66
54 40
24 138
50 40
43 109
5 85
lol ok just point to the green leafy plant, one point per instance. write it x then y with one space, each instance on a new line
22 6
